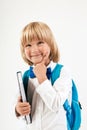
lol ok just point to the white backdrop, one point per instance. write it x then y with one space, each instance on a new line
68 21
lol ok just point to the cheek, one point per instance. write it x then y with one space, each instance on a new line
47 50
27 53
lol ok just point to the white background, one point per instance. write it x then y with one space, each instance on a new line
68 21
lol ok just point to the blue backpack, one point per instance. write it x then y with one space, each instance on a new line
73 111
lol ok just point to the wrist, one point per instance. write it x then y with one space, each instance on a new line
41 80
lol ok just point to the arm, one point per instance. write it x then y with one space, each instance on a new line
55 96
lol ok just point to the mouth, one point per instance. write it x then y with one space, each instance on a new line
36 58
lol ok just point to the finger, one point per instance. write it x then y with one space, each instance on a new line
45 58
24 104
26 110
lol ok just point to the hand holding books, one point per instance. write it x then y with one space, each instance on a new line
22 94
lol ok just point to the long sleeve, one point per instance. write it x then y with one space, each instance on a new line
55 96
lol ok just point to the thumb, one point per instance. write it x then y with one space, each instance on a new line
19 98
45 59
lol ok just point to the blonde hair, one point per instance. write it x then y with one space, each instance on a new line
39 31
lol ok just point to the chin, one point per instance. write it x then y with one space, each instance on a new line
37 62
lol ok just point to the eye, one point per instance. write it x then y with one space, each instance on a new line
40 42
28 45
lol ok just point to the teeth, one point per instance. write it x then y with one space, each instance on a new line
37 56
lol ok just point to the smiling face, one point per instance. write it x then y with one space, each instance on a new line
36 51
37 41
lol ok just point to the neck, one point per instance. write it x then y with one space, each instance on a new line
47 63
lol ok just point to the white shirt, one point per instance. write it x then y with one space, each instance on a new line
47 101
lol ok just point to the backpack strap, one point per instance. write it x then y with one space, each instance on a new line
56 73
73 111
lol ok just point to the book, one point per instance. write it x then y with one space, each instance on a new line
23 95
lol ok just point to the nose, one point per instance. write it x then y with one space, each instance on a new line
34 48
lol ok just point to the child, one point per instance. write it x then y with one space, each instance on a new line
39 49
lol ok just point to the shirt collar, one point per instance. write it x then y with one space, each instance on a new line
52 65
